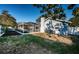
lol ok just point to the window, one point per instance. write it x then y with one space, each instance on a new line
57 24
56 27
36 27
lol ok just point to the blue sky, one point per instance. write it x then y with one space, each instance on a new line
26 12
22 13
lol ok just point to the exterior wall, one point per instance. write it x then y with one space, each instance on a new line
21 27
53 26
42 27
28 27
73 30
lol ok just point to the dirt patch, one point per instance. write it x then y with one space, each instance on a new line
54 37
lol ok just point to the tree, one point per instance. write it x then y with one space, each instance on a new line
75 21
75 13
71 6
75 18
55 11
7 20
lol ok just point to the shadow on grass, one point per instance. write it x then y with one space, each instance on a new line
13 42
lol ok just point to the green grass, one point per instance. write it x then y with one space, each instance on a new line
16 41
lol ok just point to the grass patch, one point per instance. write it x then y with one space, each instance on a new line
12 43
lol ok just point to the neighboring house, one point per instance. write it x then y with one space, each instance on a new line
28 26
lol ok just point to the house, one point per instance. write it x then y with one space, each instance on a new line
28 26
53 26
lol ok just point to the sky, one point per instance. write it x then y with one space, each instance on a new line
21 12
27 12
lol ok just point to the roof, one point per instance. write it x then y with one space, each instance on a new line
66 21
60 20
27 23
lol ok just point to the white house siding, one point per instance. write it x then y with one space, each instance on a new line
42 27
56 27
73 30
51 25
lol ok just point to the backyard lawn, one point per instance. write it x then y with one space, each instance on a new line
31 44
